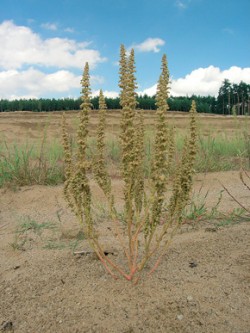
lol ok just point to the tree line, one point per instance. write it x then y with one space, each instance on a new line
232 99
204 104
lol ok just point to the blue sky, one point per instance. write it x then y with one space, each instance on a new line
44 44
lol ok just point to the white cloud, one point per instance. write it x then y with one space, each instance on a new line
106 93
207 81
54 27
236 74
204 81
20 46
33 83
96 79
148 91
149 45
49 26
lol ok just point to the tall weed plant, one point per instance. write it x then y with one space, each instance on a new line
150 217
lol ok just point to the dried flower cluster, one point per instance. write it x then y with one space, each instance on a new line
150 219
76 188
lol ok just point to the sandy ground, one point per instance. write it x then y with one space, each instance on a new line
202 284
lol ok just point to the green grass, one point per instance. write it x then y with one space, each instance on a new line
30 231
237 215
197 211
32 225
27 165
47 235
221 153
43 163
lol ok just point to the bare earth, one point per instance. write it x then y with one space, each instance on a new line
202 284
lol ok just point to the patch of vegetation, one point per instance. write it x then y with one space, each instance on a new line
29 232
41 163
237 215
27 165
146 231
47 235
197 209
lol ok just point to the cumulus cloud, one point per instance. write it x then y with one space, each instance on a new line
207 81
33 83
148 91
106 93
149 45
20 46
204 81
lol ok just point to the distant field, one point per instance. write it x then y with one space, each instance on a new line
22 126
31 146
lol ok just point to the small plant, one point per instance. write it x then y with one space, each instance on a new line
29 231
48 235
245 181
197 210
146 225
235 216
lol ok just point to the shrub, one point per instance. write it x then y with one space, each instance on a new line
148 222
